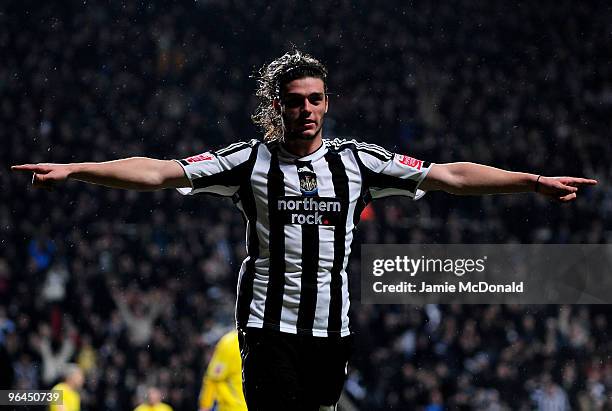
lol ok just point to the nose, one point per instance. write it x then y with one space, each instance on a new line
307 108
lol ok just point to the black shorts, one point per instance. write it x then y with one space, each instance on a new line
284 371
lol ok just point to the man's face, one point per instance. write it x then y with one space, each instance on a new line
77 379
154 396
303 105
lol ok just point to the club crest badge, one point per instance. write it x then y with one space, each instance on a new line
308 181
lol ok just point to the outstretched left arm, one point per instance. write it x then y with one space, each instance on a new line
475 179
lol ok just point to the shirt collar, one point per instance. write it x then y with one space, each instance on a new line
288 157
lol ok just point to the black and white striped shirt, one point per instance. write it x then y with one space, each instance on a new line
300 213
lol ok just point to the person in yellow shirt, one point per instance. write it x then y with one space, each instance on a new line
87 355
73 382
153 402
222 383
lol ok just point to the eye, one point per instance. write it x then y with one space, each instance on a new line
315 99
296 101
293 102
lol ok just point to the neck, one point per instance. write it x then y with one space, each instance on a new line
302 148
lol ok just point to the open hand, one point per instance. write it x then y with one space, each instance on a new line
563 189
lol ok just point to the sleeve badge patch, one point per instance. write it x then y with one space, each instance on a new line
410 162
199 157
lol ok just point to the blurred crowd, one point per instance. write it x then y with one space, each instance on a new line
136 288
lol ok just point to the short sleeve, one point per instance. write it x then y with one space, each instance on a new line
391 174
220 172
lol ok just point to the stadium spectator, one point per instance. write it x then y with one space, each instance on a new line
54 362
153 401
550 396
70 387
139 322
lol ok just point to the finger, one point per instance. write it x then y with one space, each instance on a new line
40 181
587 182
23 167
580 181
567 188
567 198
30 167
37 181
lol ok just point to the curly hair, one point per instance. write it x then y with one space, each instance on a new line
271 78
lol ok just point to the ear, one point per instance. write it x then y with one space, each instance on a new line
277 106
326 103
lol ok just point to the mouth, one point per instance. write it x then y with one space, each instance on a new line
308 124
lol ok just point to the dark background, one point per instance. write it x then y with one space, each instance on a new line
525 86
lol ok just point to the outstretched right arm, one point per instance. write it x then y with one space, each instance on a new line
135 173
